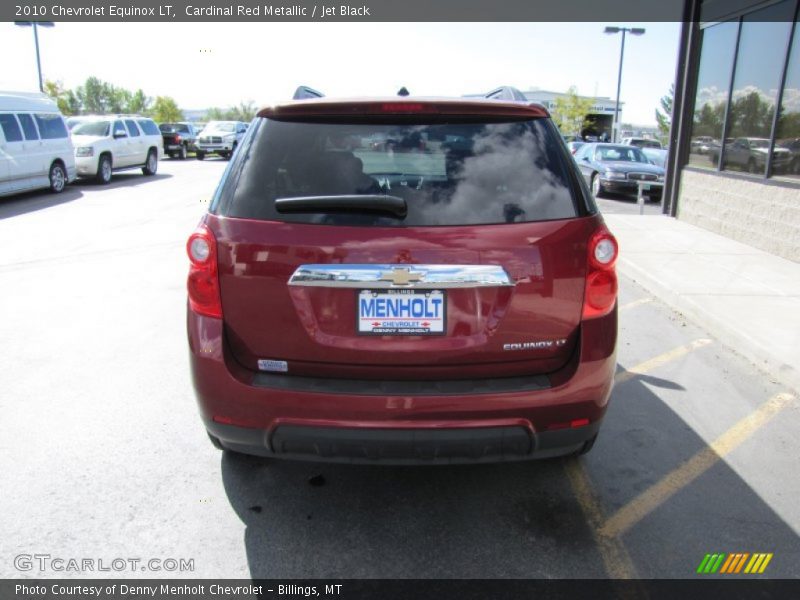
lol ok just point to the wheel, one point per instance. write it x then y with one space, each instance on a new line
58 178
151 165
597 189
200 155
751 166
182 154
104 169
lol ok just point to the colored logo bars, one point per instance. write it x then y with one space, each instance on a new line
734 563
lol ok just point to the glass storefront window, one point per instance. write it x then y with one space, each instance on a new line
787 139
713 82
759 66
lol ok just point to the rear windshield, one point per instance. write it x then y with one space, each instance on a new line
447 174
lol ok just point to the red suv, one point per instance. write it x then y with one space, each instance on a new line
403 281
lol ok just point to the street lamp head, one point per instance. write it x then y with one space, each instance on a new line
38 23
637 31
611 30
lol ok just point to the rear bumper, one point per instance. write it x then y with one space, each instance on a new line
407 446
403 422
619 186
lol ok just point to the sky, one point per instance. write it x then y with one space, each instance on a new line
221 64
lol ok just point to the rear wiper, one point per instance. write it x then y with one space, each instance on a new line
366 203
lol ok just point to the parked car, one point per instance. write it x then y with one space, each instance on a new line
793 146
178 138
108 143
641 142
750 154
220 137
574 146
452 305
35 148
618 168
702 144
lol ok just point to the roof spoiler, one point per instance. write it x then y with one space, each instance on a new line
304 92
507 92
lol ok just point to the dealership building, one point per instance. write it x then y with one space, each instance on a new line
735 164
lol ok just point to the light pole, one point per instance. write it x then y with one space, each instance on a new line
36 25
624 30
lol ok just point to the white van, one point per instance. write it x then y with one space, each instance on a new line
35 146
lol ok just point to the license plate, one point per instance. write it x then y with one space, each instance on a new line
401 312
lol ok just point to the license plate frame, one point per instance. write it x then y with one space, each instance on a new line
390 326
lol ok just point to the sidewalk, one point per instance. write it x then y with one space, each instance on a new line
747 298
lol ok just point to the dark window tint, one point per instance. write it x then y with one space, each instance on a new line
786 156
28 127
119 128
11 129
51 126
448 174
133 130
759 65
99 128
713 82
149 127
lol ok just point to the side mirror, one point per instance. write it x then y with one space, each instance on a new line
120 134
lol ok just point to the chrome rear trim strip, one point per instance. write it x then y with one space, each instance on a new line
394 276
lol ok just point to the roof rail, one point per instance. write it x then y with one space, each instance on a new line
304 92
507 92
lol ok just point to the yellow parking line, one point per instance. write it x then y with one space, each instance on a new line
653 497
617 562
635 303
659 360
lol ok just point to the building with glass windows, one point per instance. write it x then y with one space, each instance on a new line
735 168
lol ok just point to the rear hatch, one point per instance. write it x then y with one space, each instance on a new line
389 246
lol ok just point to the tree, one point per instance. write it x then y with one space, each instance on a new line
165 110
246 111
665 118
570 112
139 103
67 101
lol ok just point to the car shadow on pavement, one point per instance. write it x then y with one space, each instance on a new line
124 179
20 204
509 520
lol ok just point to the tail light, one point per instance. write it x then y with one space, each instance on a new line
178 139
203 282
600 294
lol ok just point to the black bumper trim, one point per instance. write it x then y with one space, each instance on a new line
403 446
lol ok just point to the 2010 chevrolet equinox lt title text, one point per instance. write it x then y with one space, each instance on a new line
402 281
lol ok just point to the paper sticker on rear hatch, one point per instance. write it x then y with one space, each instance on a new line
401 312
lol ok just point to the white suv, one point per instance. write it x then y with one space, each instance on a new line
108 143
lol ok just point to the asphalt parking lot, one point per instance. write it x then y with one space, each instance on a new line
104 456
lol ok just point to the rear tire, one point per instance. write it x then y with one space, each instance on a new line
597 189
151 164
587 446
200 155
751 166
58 178
104 167
183 152
215 442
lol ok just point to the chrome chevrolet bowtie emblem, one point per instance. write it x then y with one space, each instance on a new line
401 276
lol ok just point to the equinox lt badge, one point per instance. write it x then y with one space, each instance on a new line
540 345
